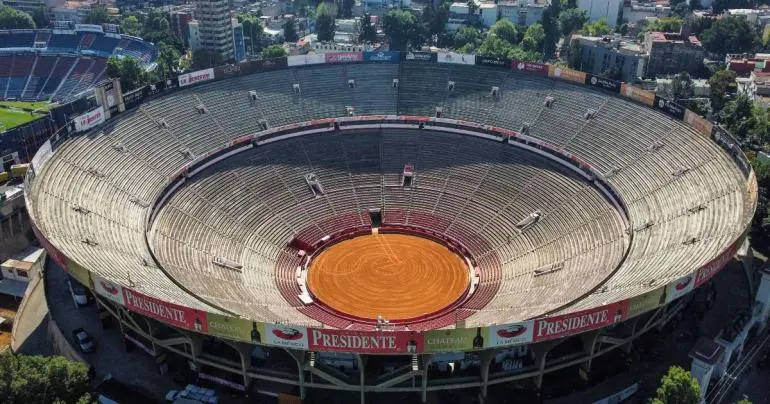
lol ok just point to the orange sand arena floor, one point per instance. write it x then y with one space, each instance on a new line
396 276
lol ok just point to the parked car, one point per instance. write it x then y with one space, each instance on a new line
82 296
83 340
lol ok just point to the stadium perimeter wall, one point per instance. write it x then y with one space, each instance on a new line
399 342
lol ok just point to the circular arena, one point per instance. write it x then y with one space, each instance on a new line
384 218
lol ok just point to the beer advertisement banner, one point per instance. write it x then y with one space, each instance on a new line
456 339
221 72
567 74
699 123
171 313
79 273
708 271
491 61
637 94
603 83
419 56
646 302
669 107
511 334
575 323
285 335
108 289
196 77
679 288
235 328
343 57
385 342
381 57
537 69
89 119
456 58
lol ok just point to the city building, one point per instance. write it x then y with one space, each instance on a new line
239 47
626 59
28 6
16 272
671 53
215 27
598 9
179 20
194 35
522 12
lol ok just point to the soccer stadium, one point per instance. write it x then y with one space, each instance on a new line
389 225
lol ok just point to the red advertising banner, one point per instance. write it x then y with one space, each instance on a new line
708 271
385 342
173 314
575 323
538 69
343 57
699 123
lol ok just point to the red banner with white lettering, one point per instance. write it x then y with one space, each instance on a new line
708 271
384 342
575 323
171 313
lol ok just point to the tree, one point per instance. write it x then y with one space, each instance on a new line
324 21
551 29
97 15
507 31
597 28
168 61
366 32
535 35
130 25
434 18
737 116
273 51
252 32
43 379
346 11
13 19
40 17
571 20
468 36
472 7
497 47
290 31
721 83
733 34
667 24
402 29
128 70
677 387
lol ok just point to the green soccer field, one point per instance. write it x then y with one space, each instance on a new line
12 113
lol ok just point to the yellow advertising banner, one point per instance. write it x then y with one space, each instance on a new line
637 94
455 340
235 328
80 274
646 302
568 74
699 123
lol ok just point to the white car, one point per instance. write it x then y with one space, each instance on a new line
83 340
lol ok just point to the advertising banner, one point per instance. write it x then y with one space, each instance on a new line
171 313
273 64
575 323
669 107
566 74
511 334
490 61
381 57
603 83
89 28
699 123
708 271
285 336
728 144
111 28
385 342
419 56
537 69
302 60
343 57
679 288
89 119
235 328
108 289
196 77
456 58
136 97
456 339
221 72
637 94
79 273
646 302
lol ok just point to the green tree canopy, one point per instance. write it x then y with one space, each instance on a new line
667 24
435 16
130 25
290 31
467 38
551 30
677 387
722 83
367 32
253 33
325 14
499 48
597 28
737 116
43 379
533 38
128 70
13 19
40 16
403 30
572 20
731 34
97 15
507 31
168 61
273 51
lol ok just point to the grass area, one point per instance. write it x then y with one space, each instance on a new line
12 113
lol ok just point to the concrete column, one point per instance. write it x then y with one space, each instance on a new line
300 358
632 324
362 376
424 382
589 344
486 360
541 353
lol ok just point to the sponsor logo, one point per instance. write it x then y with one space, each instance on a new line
287 333
109 287
683 283
492 61
511 331
155 308
231 69
593 80
569 325
195 77
380 56
374 342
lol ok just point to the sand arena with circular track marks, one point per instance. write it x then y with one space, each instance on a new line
397 276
